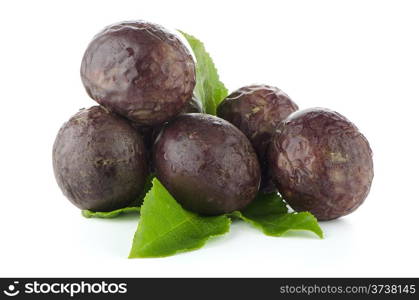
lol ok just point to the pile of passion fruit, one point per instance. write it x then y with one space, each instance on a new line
149 121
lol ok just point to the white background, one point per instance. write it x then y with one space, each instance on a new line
360 58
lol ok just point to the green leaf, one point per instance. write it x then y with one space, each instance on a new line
209 89
110 214
270 214
165 228
134 207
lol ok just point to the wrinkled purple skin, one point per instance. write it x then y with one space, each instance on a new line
99 160
257 110
140 71
207 164
193 106
150 133
321 163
